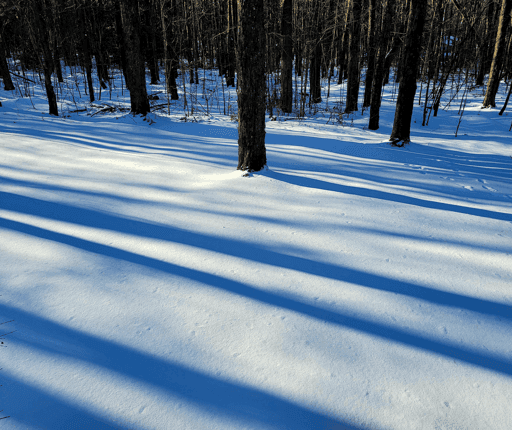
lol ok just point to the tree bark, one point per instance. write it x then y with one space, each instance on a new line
170 58
150 43
287 58
380 67
411 60
315 62
497 59
4 69
232 20
370 70
135 67
354 50
86 48
38 33
251 86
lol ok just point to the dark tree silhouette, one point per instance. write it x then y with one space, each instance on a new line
407 89
251 86
135 68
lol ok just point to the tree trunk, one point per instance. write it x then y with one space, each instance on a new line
99 50
407 89
170 58
370 70
380 67
4 69
232 20
485 54
497 59
251 86
287 58
135 68
38 33
150 42
353 57
315 63
121 53
343 47
86 50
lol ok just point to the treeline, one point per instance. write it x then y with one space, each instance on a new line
306 41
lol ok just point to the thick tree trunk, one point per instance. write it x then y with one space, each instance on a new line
407 89
497 59
251 86
135 68
287 58
353 72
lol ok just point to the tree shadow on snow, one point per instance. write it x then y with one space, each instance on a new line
250 251
219 398
294 304
383 195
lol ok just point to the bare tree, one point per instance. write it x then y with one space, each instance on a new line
170 56
407 89
287 57
353 70
135 69
383 59
36 18
251 86
497 59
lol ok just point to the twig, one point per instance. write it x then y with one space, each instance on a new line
23 77
107 109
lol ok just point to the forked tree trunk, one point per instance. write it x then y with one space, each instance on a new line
411 60
251 86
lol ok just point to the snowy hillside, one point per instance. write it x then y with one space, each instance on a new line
352 285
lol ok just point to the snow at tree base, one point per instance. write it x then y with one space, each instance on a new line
351 285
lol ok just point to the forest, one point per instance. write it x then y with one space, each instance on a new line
304 44
255 214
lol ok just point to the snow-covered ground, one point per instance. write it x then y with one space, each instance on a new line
352 285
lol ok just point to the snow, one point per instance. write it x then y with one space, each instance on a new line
351 285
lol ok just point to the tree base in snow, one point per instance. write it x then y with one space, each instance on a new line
400 143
